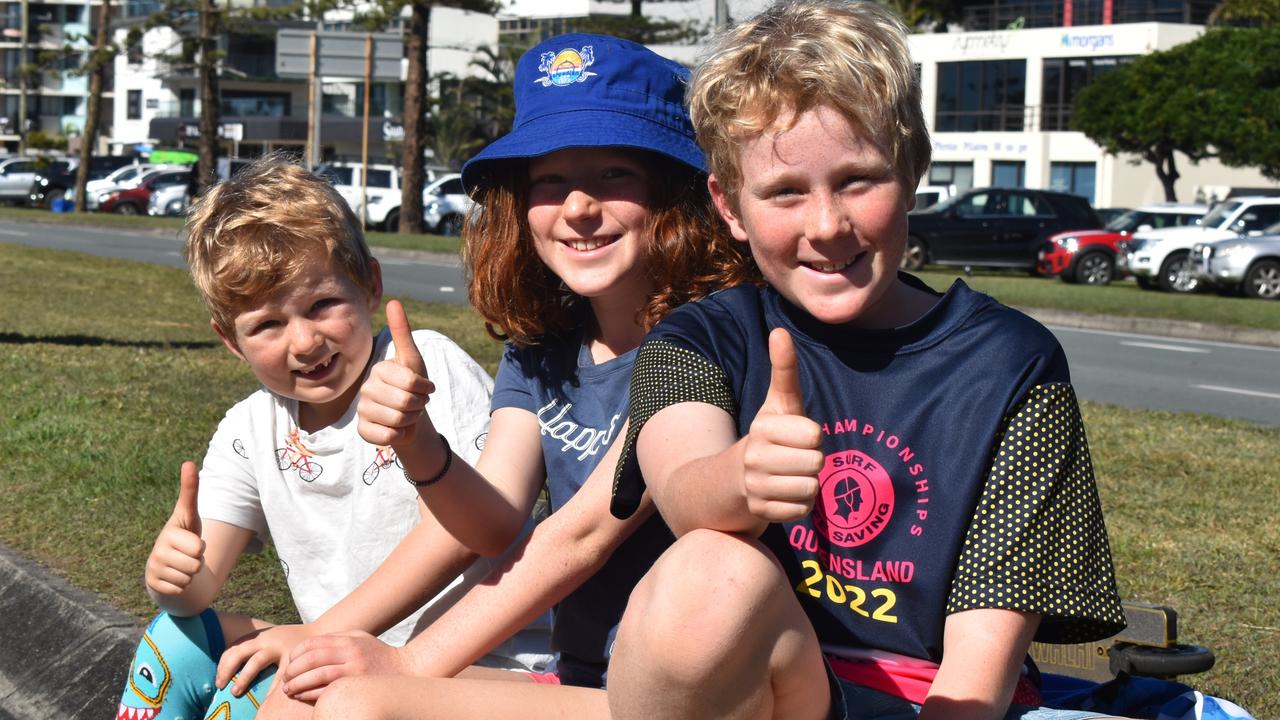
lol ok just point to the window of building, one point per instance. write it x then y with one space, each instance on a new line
975 96
133 105
1008 173
187 102
254 103
959 174
1062 79
1076 178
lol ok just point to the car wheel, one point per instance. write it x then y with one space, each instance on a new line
1095 268
1175 274
450 225
126 209
392 223
1263 280
916 256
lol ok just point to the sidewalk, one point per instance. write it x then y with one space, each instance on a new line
64 653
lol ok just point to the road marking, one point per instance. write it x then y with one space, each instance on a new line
1239 391
15 233
1161 346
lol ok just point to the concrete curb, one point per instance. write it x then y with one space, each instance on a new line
64 653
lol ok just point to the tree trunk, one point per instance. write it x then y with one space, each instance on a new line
415 119
207 165
635 8
1166 170
89 137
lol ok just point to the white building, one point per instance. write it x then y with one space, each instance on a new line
55 102
999 105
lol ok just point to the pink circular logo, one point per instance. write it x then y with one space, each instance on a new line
855 500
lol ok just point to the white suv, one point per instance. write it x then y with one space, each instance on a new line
1161 258
381 197
445 205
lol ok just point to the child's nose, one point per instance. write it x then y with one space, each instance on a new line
304 336
581 204
827 219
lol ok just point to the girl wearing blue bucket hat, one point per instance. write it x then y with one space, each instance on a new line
593 222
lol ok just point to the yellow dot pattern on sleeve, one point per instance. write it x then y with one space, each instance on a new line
664 375
1037 542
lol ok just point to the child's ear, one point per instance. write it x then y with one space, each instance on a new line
725 207
375 297
230 342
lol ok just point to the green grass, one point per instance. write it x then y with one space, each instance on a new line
110 377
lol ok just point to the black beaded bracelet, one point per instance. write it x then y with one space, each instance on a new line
448 462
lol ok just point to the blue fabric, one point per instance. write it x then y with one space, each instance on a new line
581 408
1138 697
582 90
173 672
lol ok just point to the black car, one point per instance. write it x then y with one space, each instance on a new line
52 182
993 227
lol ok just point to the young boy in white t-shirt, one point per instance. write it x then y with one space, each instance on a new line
291 286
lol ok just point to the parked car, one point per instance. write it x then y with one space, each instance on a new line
17 174
124 178
930 195
53 181
133 201
1110 213
381 198
1160 259
1089 256
1242 264
170 199
993 227
445 205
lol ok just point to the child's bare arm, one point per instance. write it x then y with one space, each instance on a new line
983 652
485 516
702 476
191 560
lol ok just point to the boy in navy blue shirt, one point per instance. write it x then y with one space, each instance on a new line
882 494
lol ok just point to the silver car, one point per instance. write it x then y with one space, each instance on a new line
1250 265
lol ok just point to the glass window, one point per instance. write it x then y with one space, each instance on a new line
975 204
451 187
379 178
1008 173
133 105
1026 205
1073 177
975 96
959 174
1062 78
1259 217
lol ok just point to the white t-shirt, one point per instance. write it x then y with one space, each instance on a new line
336 506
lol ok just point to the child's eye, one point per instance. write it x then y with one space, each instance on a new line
322 304
546 179
264 326
613 173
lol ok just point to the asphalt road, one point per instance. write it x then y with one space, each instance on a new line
1132 370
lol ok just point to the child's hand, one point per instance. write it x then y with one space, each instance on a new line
783 453
179 550
321 660
392 400
250 655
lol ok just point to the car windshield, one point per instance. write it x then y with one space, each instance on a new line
1127 222
943 204
1219 214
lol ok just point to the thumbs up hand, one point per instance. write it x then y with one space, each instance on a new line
782 454
178 553
393 398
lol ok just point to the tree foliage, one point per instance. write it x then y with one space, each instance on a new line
1217 96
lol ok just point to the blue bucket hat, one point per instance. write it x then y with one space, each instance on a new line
582 90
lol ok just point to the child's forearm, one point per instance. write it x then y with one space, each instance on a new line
194 599
485 516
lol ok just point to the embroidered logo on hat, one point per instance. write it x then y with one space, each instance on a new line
566 67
